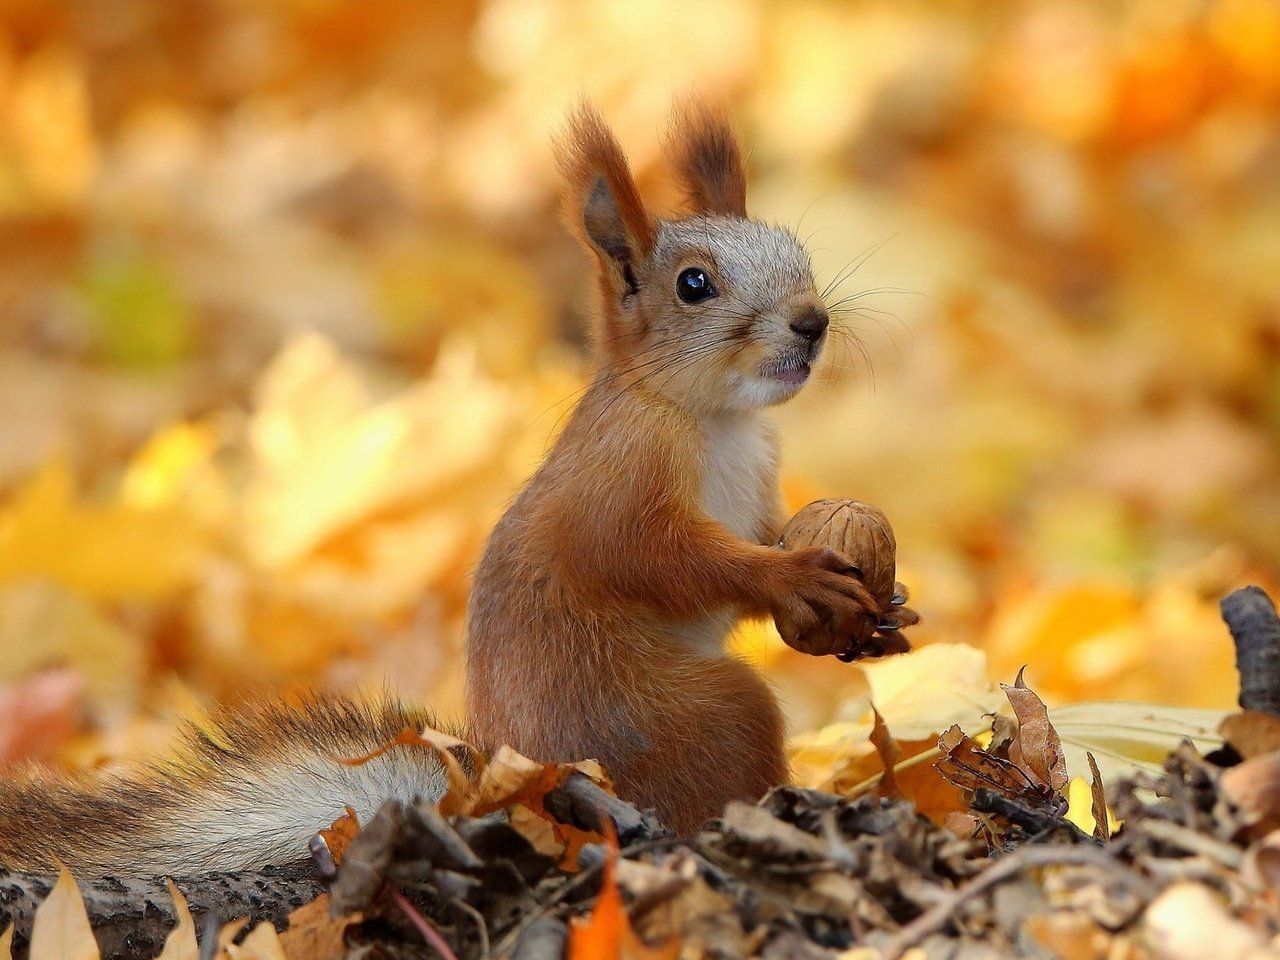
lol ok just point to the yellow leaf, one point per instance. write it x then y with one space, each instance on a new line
1124 737
1080 806
262 943
6 943
42 623
173 468
923 692
181 942
120 550
327 454
61 929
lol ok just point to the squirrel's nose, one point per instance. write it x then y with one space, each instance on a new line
810 323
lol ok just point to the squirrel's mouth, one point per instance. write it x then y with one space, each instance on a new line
789 369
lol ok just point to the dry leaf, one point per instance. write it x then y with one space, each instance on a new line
61 928
1188 922
1251 732
1098 795
606 934
967 765
924 692
120 550
227 934
261 943
181 943
313 933
6 942
1036 749
340 833
1130 736
890 753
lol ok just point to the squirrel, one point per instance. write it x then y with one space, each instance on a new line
600 607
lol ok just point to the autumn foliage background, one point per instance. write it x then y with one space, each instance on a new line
286 315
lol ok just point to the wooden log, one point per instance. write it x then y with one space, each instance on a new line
132 916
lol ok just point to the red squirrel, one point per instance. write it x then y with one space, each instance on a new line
601 605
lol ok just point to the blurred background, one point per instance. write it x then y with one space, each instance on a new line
286 315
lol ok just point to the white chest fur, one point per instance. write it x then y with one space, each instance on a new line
739 456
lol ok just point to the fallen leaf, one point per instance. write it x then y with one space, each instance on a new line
967 765
1254 787
339 834
890 753
1251 732
1036 748
261 943
922 693
314 933
1098 795
1125 736
607 934
1188 922
61 928
120 551
181 943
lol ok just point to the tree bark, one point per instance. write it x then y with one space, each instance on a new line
132 916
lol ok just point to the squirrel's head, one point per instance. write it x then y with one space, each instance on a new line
712 309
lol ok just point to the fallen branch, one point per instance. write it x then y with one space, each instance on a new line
1251 617
132 916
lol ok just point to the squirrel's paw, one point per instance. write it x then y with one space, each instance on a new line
825 608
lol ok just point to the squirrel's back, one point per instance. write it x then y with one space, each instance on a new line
247 789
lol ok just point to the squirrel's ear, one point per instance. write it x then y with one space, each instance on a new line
707 161
601 202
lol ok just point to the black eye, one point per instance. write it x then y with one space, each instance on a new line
693 285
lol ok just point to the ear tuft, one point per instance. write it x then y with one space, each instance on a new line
707 161
601 203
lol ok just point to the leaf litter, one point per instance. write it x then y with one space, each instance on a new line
528 860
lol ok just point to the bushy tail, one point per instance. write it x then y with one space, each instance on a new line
247 790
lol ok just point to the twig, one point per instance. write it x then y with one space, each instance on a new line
481 928
1255 628
1190 841
429 933
1025 858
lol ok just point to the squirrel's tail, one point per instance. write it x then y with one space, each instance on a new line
246 790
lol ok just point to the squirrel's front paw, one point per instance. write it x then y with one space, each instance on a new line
826 608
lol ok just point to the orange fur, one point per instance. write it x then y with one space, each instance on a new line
606 563
707 161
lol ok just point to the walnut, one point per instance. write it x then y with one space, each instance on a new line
861 532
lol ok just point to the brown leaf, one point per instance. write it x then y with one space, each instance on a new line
967 765
313 933
444 745
339 834
1101 823
1037 748
181 942
61 929
1254 786
1251 732
890 753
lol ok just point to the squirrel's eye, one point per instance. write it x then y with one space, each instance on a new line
693 285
